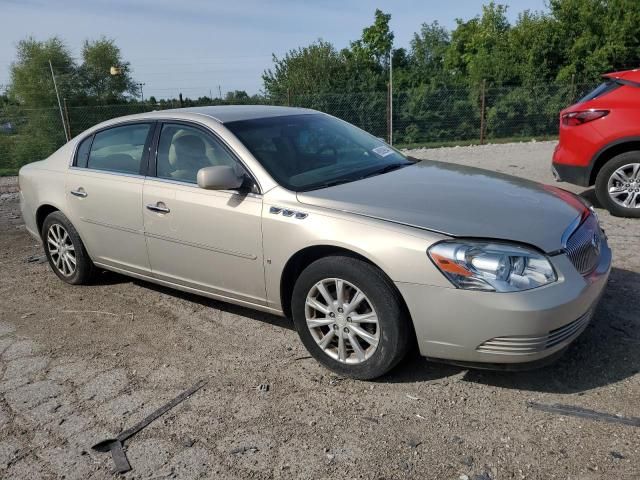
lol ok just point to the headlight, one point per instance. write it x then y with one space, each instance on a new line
493 267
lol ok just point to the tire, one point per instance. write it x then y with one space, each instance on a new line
392 332
54 228
606 175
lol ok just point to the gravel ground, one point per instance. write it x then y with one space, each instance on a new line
79 364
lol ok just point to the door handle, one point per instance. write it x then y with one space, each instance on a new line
159 207
79 192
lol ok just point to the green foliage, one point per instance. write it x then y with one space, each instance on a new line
315 68
96 84
31 82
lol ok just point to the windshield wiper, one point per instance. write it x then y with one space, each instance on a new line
387 169
380 171
332 183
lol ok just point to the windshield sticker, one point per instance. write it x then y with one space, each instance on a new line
382 151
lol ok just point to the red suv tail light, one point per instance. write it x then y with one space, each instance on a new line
573 119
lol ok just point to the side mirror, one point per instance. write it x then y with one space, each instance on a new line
219 177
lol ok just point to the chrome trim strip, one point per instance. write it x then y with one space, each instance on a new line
108 172
204 247
573 226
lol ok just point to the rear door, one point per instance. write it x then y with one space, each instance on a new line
104 195
210 240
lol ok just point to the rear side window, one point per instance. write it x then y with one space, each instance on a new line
83 152
601 90
119 149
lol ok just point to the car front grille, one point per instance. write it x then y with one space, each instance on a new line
583 246
529 345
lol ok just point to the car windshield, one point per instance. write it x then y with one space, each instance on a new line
311 151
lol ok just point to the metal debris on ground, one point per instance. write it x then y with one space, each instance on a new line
36 259
240 450
467 461
115 445
573 411
413 443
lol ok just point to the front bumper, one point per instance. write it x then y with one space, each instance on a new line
506 328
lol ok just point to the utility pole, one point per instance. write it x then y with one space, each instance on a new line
66 115
220 92
483 94
391 97
55 86
140 85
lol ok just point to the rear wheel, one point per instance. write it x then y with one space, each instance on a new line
350 317
618 185
65 251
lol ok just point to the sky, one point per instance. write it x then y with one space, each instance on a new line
200 47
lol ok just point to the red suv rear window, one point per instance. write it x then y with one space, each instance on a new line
600 91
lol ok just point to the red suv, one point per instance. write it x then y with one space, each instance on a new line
600 143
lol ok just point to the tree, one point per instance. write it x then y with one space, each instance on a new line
425 63
377 40
236 96
316 68
597 36
96 82
31 82
480 48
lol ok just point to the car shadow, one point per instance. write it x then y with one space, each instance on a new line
590 195
112 278
607 352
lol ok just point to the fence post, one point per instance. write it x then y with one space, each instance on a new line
389 112
482 109
66 114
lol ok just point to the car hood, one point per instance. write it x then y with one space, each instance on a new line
459 201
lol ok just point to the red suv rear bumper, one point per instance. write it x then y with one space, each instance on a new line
568 172
572 158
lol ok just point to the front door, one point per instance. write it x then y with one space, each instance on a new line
104 195
203 239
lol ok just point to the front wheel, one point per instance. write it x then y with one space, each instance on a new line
350 317
618 185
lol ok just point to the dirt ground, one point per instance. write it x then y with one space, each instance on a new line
79 364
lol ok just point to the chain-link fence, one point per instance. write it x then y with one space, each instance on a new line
423 116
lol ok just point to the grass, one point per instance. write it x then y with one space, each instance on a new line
8 172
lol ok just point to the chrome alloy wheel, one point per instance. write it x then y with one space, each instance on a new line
624 186
342 321
61 250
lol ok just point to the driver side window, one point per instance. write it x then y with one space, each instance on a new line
183 150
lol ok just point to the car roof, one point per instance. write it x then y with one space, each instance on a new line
234 113
629 75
